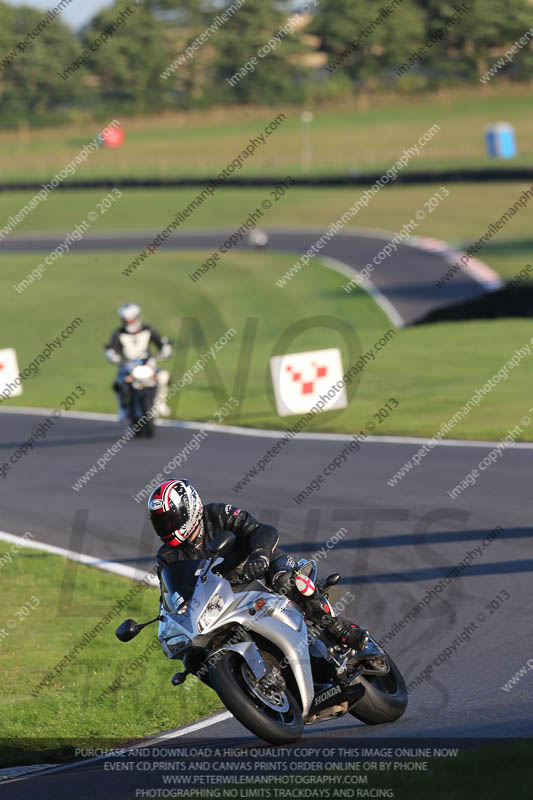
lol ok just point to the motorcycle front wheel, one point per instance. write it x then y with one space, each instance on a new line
141 404
271 713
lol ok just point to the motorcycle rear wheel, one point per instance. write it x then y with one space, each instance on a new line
385 697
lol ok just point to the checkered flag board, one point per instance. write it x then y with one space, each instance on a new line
301 380
9 370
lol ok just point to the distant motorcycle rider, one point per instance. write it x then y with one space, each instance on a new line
130 342
186 526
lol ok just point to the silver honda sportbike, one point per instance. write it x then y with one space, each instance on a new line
273 670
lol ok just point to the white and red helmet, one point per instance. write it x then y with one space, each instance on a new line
175 510
130 314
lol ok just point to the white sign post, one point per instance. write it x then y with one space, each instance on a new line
301 380
9 370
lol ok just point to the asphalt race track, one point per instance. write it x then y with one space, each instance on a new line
406 278
401 541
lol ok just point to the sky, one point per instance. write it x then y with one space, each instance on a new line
75 15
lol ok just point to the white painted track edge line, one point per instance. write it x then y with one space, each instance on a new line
368 286
195 726
123 570
263 433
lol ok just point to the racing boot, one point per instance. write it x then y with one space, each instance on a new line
345 632
319 611
160 404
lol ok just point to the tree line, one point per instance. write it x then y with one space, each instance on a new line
138 57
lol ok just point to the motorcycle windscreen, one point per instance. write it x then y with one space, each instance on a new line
181 577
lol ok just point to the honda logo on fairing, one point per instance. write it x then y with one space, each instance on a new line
327 694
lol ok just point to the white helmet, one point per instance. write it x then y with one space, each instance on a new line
258 238
130 314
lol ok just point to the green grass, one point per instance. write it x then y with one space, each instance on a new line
431 370
66 713
508 257
355 136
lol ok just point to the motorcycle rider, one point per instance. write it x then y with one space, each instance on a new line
186 526
130 342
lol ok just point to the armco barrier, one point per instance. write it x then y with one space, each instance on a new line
414 177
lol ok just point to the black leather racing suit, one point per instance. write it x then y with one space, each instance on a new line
254 538
251 536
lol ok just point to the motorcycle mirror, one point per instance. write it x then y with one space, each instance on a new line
331 580
222 541
128 630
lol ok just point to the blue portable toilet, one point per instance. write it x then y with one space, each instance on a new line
500 140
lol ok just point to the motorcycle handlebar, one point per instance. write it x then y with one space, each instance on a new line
240 580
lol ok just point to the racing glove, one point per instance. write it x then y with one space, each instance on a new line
256 565
112 356
166 350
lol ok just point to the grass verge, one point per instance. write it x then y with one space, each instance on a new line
431 370
66 712
460 219
202 143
